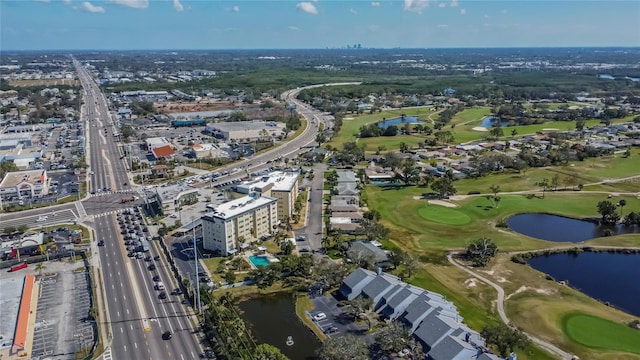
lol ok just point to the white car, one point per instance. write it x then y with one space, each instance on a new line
319 316
42 218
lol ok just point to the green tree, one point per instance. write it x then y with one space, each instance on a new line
481 251
230 277
40 267
443 186
622 204
396 337
347 347
505 338
410 174
544 184
268 352
495 189
496 132
608 213
286 247
7 166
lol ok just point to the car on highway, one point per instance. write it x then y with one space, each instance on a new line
319 316
176 291
152 267
156 258
166 335
156 278
162 295
42 218
101 243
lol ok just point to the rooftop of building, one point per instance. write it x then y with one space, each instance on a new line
156 141
16 177
281 180
239 206
244 125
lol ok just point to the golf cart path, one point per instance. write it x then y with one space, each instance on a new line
503 316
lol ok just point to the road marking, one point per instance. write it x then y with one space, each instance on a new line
125 348
136 345
127 311
121 331
182 356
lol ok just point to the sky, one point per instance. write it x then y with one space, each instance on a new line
314 24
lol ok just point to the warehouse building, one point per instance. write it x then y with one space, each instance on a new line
246 130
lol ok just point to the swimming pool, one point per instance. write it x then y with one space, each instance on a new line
259 261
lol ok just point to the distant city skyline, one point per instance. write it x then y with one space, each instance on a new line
284 24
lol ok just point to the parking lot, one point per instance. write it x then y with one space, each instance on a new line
334 322
62 327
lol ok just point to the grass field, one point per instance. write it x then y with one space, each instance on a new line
44 82
443 215
600 333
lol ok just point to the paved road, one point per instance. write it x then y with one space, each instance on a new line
65 213
136 315
503 316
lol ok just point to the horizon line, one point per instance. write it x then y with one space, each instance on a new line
334 48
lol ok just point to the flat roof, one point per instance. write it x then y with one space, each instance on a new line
16 177
244 125
20 337
11 285
239 206
282 181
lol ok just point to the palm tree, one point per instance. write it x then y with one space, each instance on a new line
40 267
621 204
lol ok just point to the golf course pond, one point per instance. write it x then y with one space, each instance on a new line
272 319
605 276
563 229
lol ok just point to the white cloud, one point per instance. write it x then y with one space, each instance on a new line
375 4
504 11
486 16
442 5
177 5
136 4
454 3
307 7
353 11
235 8
463 11
66 1
415 5
294 28
42 1
92 8
443 26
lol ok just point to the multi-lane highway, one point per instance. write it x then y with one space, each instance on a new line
137 316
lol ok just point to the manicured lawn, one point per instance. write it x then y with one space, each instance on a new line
351 124
471 114
443 215
390 142
409 228
599 333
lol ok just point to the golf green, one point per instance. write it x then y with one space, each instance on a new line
599 333
443 215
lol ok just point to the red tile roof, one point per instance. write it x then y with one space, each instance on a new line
162 151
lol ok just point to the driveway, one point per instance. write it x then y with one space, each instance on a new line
335 317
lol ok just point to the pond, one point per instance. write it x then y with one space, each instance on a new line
273 318
399 122
562 229
608 277
487 122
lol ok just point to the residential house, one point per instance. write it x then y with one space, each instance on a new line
366 250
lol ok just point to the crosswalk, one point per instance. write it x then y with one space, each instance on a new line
106 213
104 193
106 355
81 210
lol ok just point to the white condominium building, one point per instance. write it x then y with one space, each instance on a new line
280 185
233 225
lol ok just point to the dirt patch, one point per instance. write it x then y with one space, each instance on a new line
500 279
525 288
443 203
479 128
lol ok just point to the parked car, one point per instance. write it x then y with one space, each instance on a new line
319 316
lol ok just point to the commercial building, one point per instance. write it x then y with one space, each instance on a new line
231 226
155 142
201 151
246 130
24 185
280 185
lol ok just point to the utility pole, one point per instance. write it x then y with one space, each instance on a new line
195 251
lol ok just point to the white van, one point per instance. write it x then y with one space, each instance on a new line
159 285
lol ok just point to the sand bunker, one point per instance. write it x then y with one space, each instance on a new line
471 282
442 203
479 128
550 129
348 118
